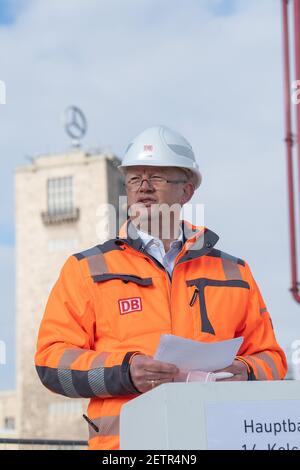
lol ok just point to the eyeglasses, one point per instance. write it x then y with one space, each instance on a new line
157 182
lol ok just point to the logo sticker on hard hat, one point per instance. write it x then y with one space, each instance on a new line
148 148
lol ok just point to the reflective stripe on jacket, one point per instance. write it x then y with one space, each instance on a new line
114 300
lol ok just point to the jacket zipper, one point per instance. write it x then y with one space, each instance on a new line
194 296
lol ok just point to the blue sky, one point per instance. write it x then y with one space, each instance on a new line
224 7
10 9
196 66
6 16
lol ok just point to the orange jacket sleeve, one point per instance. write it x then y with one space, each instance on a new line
260 348
65 359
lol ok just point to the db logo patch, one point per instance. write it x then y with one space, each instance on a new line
134 304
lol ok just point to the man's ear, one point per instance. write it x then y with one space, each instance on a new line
188 192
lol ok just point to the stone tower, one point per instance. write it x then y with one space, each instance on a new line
57 214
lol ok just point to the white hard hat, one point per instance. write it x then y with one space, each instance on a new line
161 146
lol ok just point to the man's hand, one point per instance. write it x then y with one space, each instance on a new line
238 369
146 373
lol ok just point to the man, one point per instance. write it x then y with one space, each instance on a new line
111 303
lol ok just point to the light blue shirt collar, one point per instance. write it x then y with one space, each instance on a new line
147 238
154 247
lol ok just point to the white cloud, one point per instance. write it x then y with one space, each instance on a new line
217 79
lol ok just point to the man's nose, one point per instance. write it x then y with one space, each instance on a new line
146 185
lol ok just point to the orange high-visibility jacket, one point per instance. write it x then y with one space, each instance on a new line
114 300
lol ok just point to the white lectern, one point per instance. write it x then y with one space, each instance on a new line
215 415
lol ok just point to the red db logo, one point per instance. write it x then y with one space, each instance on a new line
134 304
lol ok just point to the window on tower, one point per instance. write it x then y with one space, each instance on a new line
60 195
60 201
9 423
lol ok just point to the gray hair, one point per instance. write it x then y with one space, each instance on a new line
189 174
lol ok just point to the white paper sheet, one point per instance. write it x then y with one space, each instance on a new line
187 354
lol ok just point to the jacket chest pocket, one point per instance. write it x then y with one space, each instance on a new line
221 303
125 278
123 304
116 286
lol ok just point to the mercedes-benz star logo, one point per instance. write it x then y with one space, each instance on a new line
75 123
